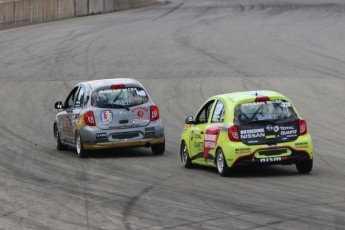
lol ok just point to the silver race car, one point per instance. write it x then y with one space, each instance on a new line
109 113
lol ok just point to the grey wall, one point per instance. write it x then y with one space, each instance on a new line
23 12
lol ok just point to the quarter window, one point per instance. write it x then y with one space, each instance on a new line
80 98
219 111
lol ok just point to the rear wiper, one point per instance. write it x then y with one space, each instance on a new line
116 106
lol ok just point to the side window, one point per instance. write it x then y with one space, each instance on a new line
69 103
219 112
79 102
204 113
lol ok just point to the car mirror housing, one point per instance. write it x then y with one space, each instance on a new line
58 105
190 120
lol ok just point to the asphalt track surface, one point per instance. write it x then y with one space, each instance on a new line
183 52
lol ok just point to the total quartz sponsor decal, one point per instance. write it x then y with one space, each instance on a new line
210 139
288 130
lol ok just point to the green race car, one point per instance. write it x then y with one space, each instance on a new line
247 128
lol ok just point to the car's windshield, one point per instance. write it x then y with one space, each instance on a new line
270 111
119 98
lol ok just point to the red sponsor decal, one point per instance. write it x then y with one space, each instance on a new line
139 107
140 113
211 138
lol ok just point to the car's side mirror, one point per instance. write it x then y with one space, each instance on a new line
58 105
190 120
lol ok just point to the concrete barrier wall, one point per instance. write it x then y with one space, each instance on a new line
23 12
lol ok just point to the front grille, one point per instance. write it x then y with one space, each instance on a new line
125 135
272 152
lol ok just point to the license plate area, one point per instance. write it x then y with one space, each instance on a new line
273 152
122 136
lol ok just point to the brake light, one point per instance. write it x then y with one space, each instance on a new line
233 134
261 98
154 113
89 118
302 127
118 86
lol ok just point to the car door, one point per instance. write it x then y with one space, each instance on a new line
198 133
213 129
75 111
67 116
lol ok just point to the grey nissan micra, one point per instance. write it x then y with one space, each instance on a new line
109 113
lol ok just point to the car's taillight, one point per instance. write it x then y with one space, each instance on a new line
118 86
233 134
261 98
89 118
154 113
302 127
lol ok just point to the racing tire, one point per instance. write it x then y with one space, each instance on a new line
221 164
158 149
80 147
304 166
59 145
187 162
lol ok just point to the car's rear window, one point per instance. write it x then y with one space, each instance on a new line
272 110
112 98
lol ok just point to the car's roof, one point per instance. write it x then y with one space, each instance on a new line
104 82
251 95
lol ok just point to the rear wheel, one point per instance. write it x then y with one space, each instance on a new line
80 147
185 156
158 149
222 166
59 145
304 166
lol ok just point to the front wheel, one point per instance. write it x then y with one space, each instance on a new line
80 147
187 162
304 166
222 166
158 149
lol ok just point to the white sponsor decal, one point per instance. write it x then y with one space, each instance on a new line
272 159
210 144
252 133
210 137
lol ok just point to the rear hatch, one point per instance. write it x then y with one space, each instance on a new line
119 108
266 122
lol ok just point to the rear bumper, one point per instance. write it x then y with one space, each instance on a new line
123 144
95 138
295 157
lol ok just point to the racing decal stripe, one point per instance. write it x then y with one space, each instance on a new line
201 155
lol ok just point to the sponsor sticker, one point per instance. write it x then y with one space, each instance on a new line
140 119
139 107
210 139
301 145
106 117
101 135
242 151
252 133
140 113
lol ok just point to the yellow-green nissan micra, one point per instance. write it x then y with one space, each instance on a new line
247 128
